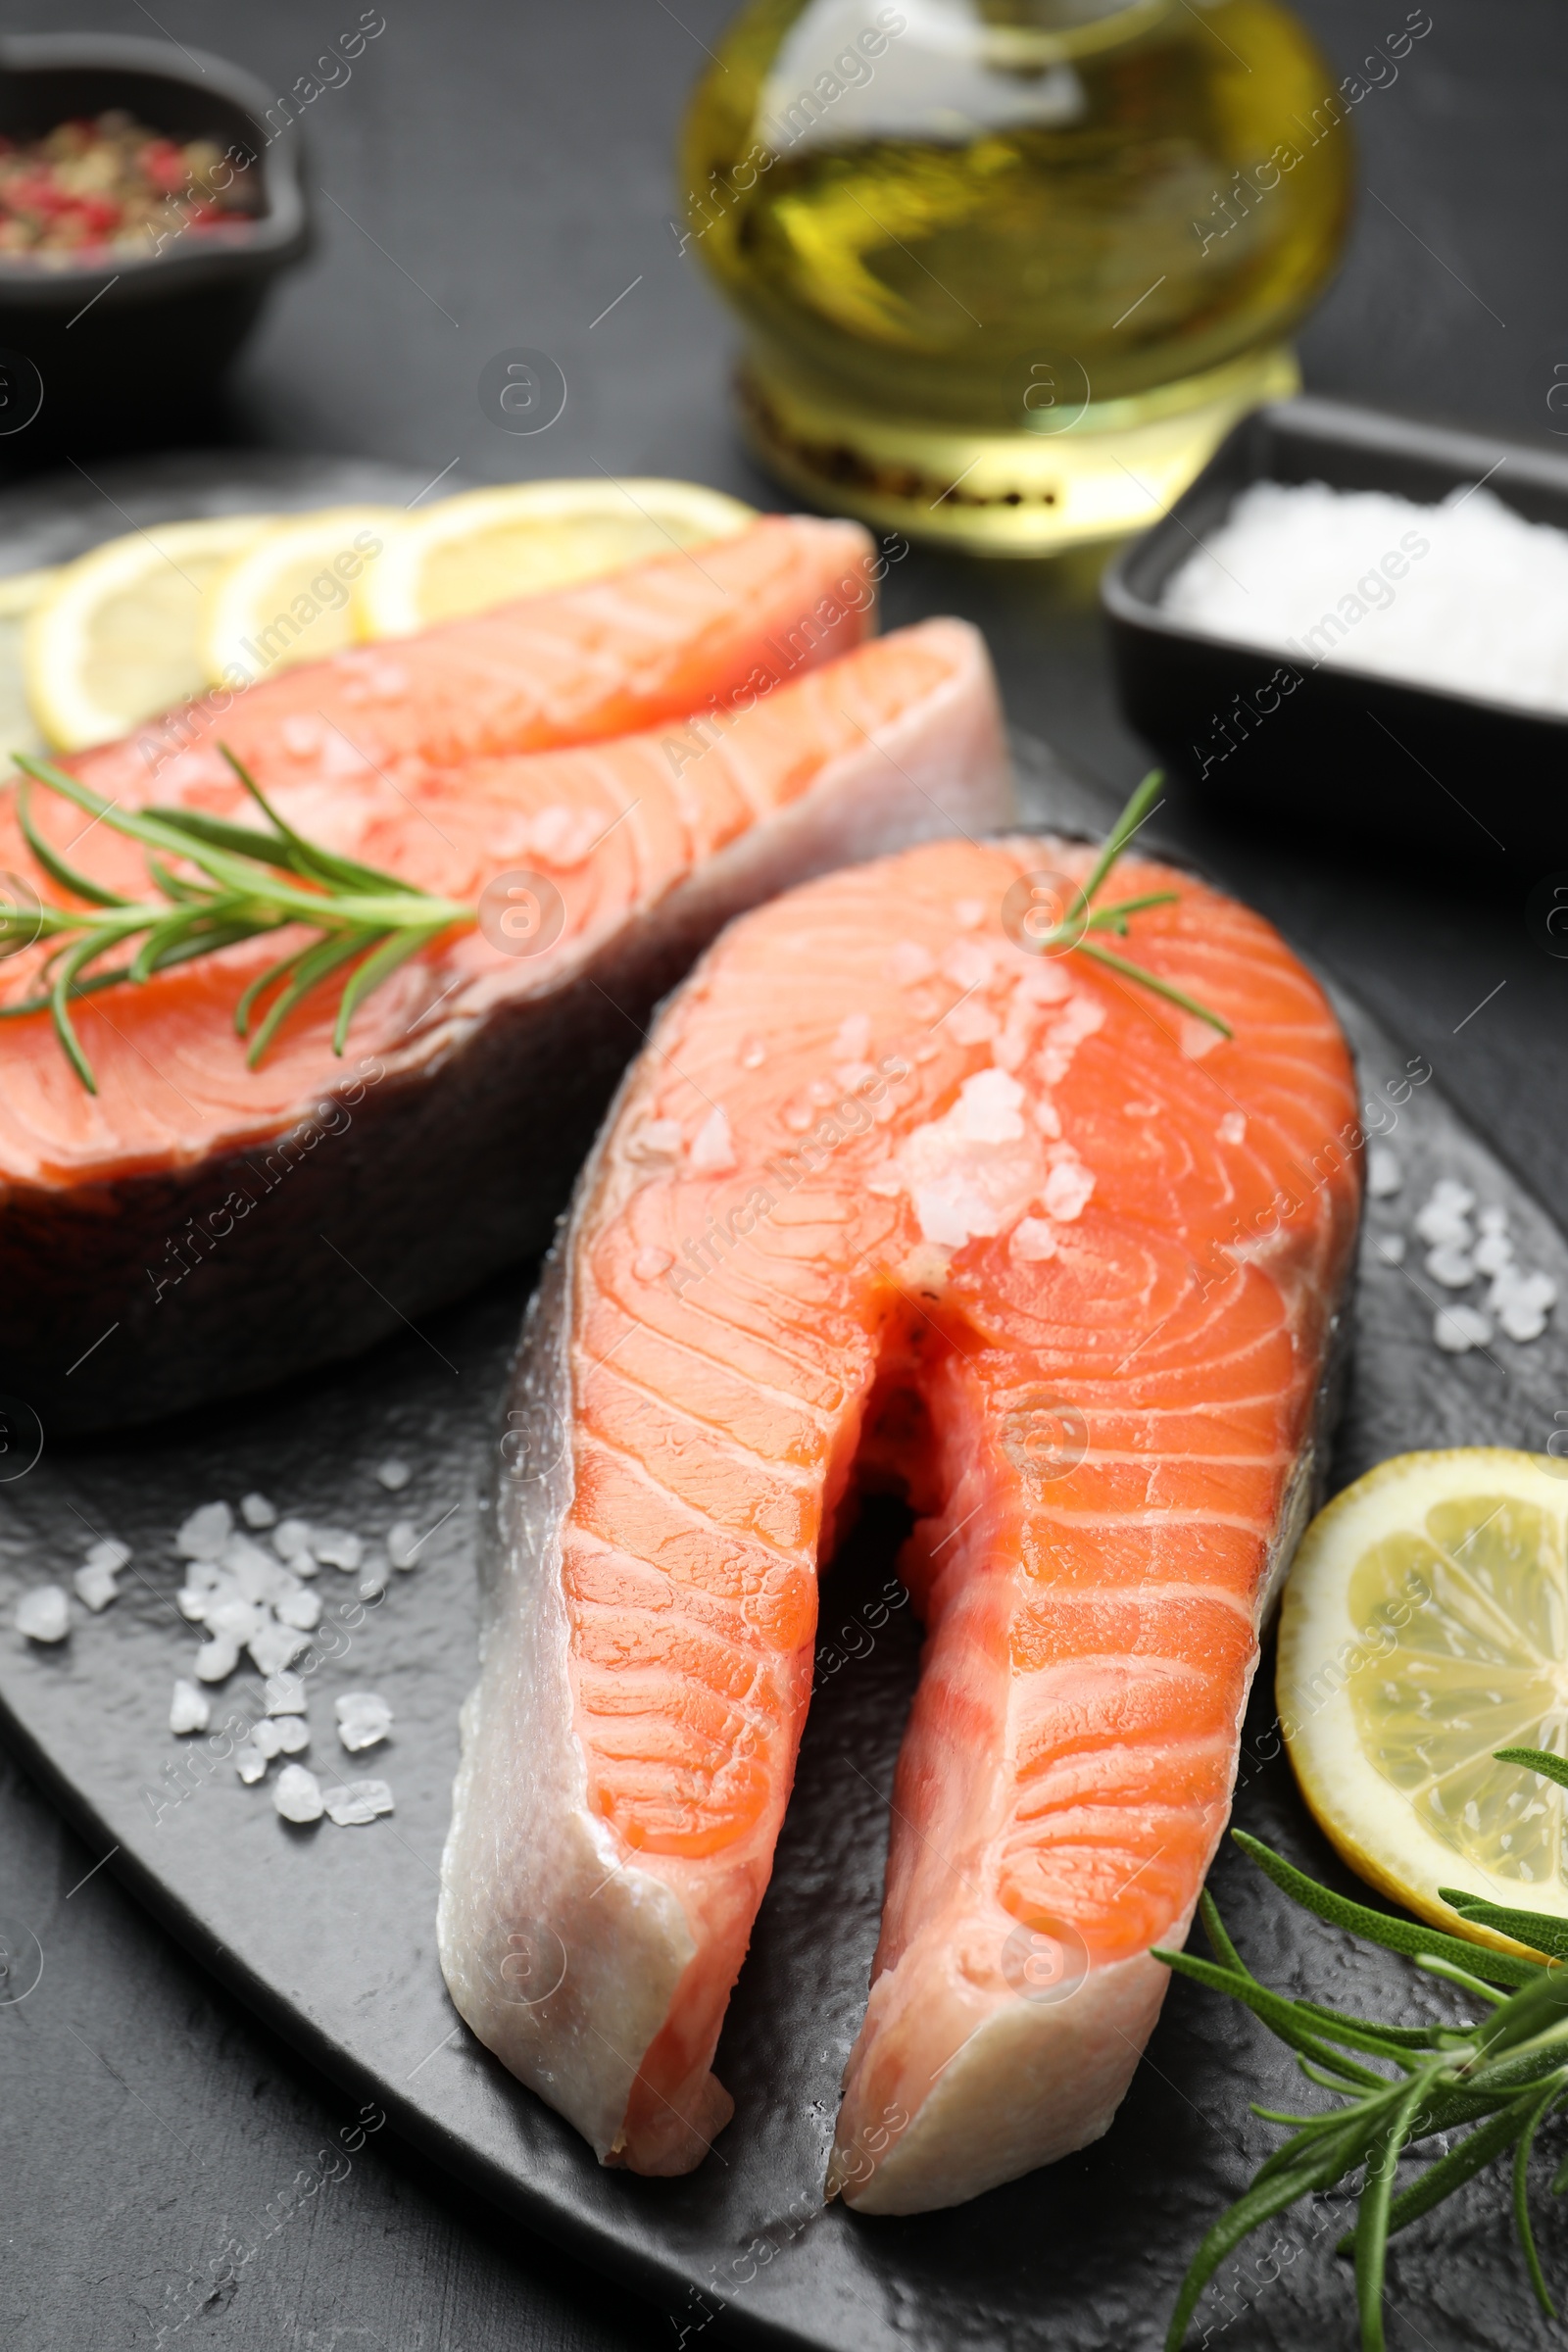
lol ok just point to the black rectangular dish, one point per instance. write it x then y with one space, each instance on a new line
1439 774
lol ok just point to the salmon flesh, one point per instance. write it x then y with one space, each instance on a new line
892 1198
659 750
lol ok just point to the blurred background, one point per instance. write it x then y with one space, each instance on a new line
491 176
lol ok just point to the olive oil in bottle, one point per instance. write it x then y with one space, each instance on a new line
1009 268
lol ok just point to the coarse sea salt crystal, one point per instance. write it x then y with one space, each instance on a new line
1440 1222
189 1710
301 1610
1492 1253
712 1152
1068 1191
109 1553
1457 1329
291 1540
1389 1247
285 1694
374 1578
394 1473
204 1534
1384 1175
267 1737
250 1763
217 1659
297 1795
1233 1128
357 1802
336 1548
95 1587
256 1511
1033 1240
1522 1302
363 1718
274 1647
44 1613
293 1734
1453 1267
403 1544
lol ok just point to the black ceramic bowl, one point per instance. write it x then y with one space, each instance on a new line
1325 748
126 344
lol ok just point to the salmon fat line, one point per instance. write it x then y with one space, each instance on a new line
239 883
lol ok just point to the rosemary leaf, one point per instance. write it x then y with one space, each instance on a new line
1548 2097
313 965
1381 1927
1372 2214
82 886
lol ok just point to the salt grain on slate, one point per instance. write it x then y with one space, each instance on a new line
358 1802
1460 1328
274 1646
1453 1267
204 1534
188 1710
285 1694
1384 1175
216 1660
402 1544
256 1511
267 1737
363 1718
44 1614
293 1734
298 1796
302 1609
335 1548
95 1587
393 1474
291 1540
250 1764
1492 1253
374 1582
1389 1247
108 1553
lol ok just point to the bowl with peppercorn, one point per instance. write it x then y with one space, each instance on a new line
149 196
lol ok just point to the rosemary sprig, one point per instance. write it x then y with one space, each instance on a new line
245 883
1084 916
1504 2075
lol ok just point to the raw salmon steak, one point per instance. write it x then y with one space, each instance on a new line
198 1227
892 1198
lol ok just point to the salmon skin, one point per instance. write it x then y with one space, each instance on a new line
893 1199
197 1228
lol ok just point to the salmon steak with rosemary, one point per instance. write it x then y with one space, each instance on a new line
923 1183
309 1031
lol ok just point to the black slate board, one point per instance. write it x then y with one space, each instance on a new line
330 1933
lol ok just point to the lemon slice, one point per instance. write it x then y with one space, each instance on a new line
486 547
118 637
20 591
1425 1624
288 597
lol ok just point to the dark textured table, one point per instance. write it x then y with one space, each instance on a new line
513 163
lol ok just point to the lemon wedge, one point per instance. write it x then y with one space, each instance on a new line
288 597
486 547
1425 1624
118 636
